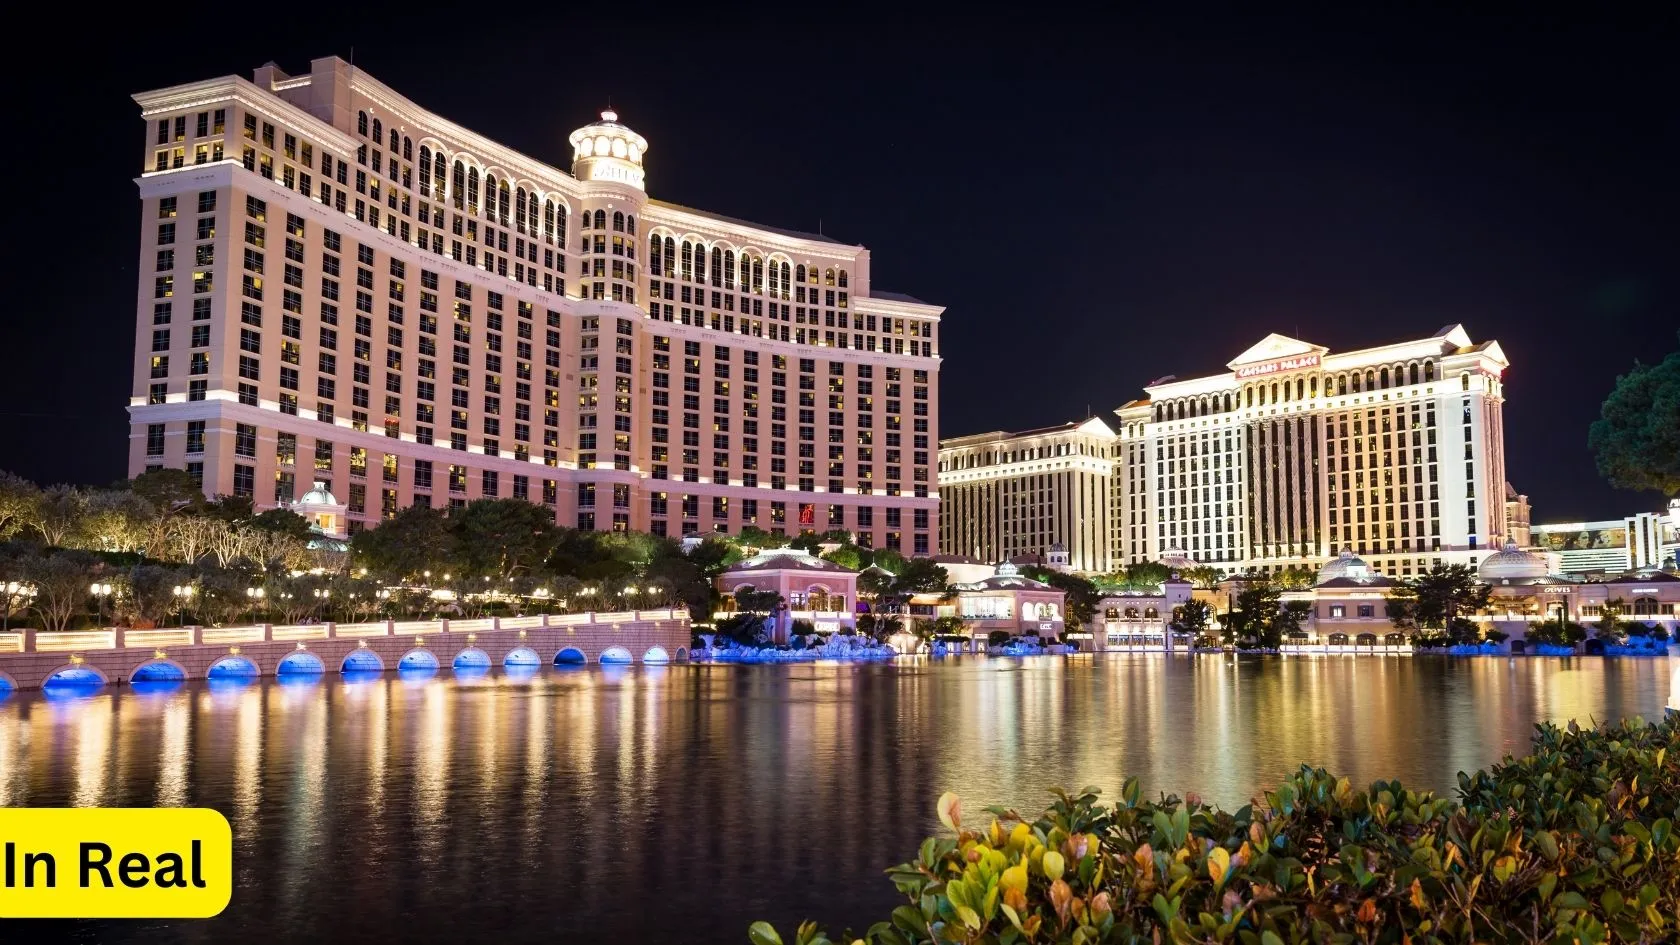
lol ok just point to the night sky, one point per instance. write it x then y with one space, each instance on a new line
1097 205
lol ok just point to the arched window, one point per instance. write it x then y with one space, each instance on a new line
699 263
438 175
828 276
1341 383
1250 392
472 190
1429 370
717 266
362 124
1414 373
656 255
1150 613
502 194
560 225
1645 607
687 259
1274 398
842 278
758 275
1356 382
1385 378
1464 380
378 133
729 269
519 210
786 292
600 219
1313 386
630 224
408 148
618 221
799 272
425 171
458 185
1131 613
1370 379
394 140
670 257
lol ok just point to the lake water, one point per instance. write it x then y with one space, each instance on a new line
680 803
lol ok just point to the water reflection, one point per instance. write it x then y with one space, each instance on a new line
542 804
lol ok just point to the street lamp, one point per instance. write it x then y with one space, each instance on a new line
101 592
255 595
183 596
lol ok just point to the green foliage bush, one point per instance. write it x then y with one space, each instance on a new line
1574 843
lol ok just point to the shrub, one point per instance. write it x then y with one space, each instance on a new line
997 638
1574 843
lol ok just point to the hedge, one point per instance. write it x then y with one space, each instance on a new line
1573 843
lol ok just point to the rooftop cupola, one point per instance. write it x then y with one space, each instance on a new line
608 151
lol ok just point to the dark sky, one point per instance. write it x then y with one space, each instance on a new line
1097 204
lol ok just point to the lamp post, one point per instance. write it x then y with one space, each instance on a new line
183 596
100 593
255 595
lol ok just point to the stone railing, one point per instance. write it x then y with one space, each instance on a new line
81 641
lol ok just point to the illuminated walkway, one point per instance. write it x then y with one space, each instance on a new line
30 659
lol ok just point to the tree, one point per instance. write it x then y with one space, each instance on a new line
1253 622
149 594
169 491
850 556
114 520
1145 575
888 560
20 502
1611 627
59 514
1203 576
406 545
1192 617
950 625
1444 598
1294 578
60 579
1637 436
502 537
281 522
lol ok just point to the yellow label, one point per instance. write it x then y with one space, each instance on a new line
114 863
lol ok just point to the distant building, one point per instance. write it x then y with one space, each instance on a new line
1010 602
1517 515
811 588
1043 492
1638 541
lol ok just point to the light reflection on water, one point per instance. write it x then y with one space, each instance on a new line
633 803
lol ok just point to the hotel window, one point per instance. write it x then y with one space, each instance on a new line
154 439
195 436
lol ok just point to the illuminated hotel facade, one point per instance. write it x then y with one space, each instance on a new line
1043 492
1293 455
339 286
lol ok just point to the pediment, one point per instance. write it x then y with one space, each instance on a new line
1275 347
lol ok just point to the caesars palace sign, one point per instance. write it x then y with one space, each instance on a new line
1279 366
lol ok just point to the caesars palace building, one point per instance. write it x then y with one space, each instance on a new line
338 286
1291 456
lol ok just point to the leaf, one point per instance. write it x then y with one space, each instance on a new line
1547 843
1269 937
1052 865
1420 902
968 916
1218 865
763 933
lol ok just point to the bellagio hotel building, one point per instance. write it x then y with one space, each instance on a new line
337 285
1290 456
